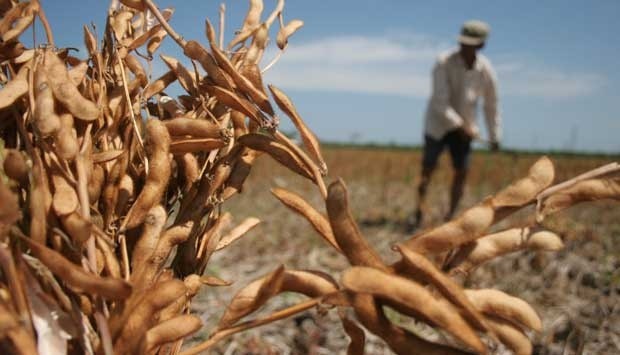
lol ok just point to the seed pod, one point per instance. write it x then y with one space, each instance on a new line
9 209
250 23
106 287
254 75
65 199
239 174
156 41
186 79
159 85
236 103
151 230
111 263
242 83
78 228
196 51
45 120
524 191
417 265
494 245
11 50
142 317
188 169
346 232
95 184
259 42
158 148
15 166
238 232
136 68
168 331
15 88
470 225
318 221
251 297
400 340
23 22
78 73
512 337
181 126
356 334
587 190
64 90
277 151
90 42
310 141
411 295
182 146
287 31
106 156
238 120
65 139
40 201
135 4
499 304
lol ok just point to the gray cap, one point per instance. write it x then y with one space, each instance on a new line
474 32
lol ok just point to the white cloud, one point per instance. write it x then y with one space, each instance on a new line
400 65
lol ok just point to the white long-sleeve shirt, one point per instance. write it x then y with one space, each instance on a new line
455 93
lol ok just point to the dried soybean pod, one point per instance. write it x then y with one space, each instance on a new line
157 148
252 297
125 192
159 85
45 118
238 120
182 146
308 282
250 23
239 174
235 102
156 41
12 15
65 139
400 340
111 263
78 73
64 90
181 126
23 22
186 79
188 170
90 42
10 327
76 277
142 317
277 151
524 190
136 68
151 230
65 198
356 334
346 232
403 291
318 221
494 245
499 304
419 265
310 141
582 191
237 232
242 83
196 51
15 88
253 73
145 275
40 201
259 42
468 226
512 337
78 228
15 166
168 331
134 4
106 156
287 31
95 183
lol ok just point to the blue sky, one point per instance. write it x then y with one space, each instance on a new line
360 70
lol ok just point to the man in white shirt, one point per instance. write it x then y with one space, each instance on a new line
460 77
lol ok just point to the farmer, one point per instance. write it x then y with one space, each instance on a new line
460 77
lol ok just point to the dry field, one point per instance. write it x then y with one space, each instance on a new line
575 291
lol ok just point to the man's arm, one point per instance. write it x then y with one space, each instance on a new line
491 111
440 98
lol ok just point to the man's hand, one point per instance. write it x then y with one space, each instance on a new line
463 134
494 146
